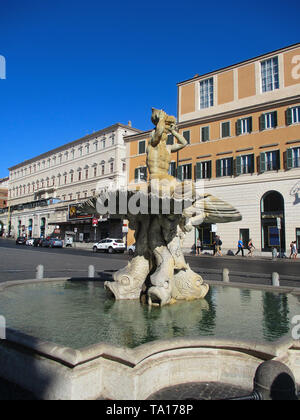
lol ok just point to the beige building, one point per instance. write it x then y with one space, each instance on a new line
43 191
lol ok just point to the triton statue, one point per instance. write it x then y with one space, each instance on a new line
158 269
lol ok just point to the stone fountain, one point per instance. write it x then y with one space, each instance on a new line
167 210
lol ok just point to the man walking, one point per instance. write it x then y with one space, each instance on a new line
218 246
240 247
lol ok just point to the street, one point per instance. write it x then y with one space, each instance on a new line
20 262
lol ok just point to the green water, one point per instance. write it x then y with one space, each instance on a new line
81 314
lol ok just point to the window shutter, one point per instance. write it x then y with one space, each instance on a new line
262 162
144 173
231 166
262 122
238 165
180 173
205 133
289 158
170 140
238 127
136 174
187 135
275 118
250 124
277 159
218 168
209 169
198 171
251 164
288 116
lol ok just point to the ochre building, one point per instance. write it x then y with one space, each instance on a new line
242 123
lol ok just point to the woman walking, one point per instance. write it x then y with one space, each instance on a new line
251 248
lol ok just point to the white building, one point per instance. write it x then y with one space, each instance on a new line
43 189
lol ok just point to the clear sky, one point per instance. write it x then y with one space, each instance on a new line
74 67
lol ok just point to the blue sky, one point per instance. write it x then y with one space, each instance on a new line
74 67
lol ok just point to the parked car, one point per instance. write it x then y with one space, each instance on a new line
110 245
131 249
45 243
37 242
21 241
30 242
56 243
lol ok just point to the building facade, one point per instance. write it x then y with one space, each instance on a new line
3 202
44 191
242 124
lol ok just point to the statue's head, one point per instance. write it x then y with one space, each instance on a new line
156 114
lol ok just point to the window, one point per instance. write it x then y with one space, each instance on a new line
185 172
142 147
293 115
187 136
95 171
79 176
172 169
124 166
170 140
270 161
224 167
205 133
73 154
243 126
269 75
66 179
87 149
225 128
111 167
103 143
72 178
268 120
86 174
140 174
96 146
203 170
113 140
80 151
206 93
244 164
102 169
293 158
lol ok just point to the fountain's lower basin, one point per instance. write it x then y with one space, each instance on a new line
125 350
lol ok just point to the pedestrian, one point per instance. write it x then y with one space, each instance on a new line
251 247
214 247
198 247
294 251
291 249
240 247
218 246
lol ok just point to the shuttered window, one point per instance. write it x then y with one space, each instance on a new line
244 164
293 115
203 170
224 167
268 120
270 161
225 129
205 133
142 147
293 158
187 136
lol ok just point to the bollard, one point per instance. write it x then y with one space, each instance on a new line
226 275
91 272
275 280
39 272
275 381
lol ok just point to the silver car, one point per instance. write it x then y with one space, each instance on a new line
56 243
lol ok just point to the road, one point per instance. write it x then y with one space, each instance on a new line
20 262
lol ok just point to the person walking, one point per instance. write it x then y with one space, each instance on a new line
291 250
240 247
294 251
251 248
218 246
198 247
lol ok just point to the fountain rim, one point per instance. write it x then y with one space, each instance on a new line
133 357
